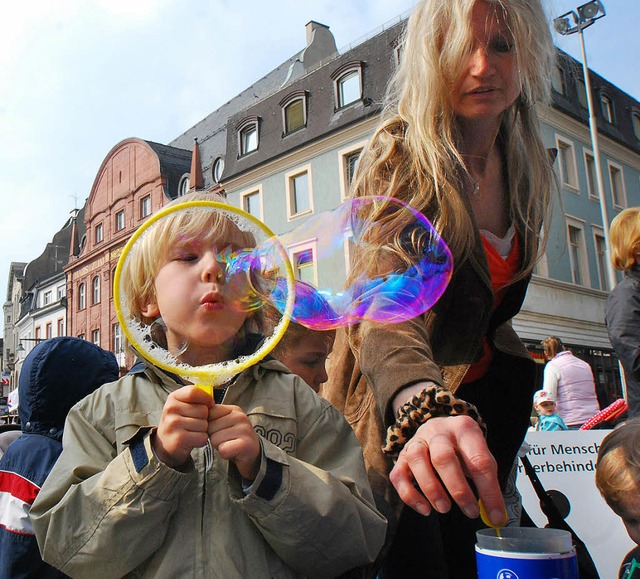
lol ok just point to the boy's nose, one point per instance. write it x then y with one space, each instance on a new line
212 270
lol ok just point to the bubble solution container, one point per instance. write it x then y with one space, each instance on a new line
525 553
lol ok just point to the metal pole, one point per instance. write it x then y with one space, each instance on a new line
593 127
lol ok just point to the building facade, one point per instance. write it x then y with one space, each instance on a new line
286 149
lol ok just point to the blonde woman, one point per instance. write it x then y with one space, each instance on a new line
460 142
622 311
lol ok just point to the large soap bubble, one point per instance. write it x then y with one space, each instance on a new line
224 332
377 258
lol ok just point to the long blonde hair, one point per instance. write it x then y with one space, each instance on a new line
414 155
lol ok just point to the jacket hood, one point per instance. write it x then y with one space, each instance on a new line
55 375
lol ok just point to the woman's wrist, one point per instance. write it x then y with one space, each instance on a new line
431 402
406 394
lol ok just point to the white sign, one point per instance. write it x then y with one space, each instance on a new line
565 461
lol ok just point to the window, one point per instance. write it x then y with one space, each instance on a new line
592 179
120 220
248 135
348 159
303 261
38 334
118 345
294 111
601 260
60 327
607 107
581 89
557 80
184 186
99 236
95 293
95 337
350 164
118 342
347 84
61 291
398 49
635 120
299 192
252 203
217 170
82 299
48 330
567 158
47 298
617 185
145 207
577 253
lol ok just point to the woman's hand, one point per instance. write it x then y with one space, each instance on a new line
183 425
442 454
232 435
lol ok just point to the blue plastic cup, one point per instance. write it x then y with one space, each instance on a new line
525 552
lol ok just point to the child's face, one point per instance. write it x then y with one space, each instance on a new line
546 408
629 512
307 358
196 310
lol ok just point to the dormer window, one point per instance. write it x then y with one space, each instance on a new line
184 186
607 107
248 137
294 111
347 82
557 80
217 169
635 118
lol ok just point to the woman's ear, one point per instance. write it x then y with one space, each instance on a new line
150 311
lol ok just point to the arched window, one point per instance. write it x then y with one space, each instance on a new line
95 287
347 83
82 297
635 119
294 111
248 137
184 186
607 107
217 170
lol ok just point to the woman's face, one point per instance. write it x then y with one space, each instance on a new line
489 82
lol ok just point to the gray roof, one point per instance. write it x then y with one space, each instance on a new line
211 131
174 163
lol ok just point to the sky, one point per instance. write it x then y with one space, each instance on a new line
79 76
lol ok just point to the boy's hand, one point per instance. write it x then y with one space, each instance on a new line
183 425
233 436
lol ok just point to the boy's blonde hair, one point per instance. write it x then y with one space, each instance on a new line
618 465
624 237
149 252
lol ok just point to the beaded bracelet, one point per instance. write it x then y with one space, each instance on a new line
432 402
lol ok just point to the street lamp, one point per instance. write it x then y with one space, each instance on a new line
570 23
21 348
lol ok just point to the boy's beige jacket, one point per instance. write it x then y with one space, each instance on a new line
97 516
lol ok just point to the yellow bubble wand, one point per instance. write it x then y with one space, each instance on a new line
139 334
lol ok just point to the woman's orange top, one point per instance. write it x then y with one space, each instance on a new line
502 271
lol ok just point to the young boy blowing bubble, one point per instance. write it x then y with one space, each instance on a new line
132 493
618 480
